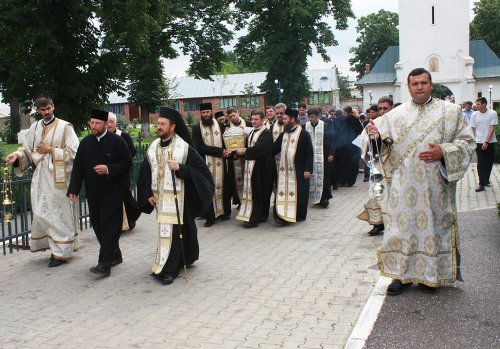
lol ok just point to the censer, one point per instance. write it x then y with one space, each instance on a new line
7 198
377 184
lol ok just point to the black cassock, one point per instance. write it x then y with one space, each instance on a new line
262 175
105 193
347 128
199 191
228 183
304 161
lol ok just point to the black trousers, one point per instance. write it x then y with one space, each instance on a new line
485 162
106 217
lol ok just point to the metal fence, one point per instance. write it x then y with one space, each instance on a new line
15 234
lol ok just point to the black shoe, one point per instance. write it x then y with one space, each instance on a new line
366 179
225 218
397 287
376 230
324 203
116 261
56 262
250 225
280 221
427 289
101 270
131 225
167 279
480 188
335 187
208 223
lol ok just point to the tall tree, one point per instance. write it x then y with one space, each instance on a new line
281 34
54 51
485 24
377 32
148 36
233 64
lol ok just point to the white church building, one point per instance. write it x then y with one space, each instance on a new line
435 35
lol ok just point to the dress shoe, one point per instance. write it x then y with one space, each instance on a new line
324 203
377 229
56 262
101 270
280 221
116 261
427 289
167 279
131 225
480 188
225 218
250 225
208 223
397 287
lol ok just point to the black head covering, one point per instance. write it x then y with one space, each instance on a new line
180 126
99 114
205 106
292 113
219 113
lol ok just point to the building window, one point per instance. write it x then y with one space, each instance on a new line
173 105
319 98
118 109
250 102
227 102
432 16
193 104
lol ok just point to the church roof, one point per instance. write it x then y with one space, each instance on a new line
486 64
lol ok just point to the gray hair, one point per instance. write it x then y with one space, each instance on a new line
112 116
280 105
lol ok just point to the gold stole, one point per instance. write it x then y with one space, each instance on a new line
212 136
317 137
163 192
246 200
239 164
286 198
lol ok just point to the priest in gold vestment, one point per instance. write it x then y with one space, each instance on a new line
426 146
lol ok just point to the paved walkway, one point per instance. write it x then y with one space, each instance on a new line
301 286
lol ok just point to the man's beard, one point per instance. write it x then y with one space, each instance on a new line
288 128
281 122
207 122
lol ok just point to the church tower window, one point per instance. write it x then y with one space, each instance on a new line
433 64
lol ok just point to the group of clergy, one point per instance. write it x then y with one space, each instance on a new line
271 153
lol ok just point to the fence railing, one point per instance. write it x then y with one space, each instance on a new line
15 234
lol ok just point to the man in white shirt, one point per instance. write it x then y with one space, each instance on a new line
483 123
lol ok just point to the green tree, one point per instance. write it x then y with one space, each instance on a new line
344 86
485 25
53 47
441 91
281 35
232 64
377 32
148 36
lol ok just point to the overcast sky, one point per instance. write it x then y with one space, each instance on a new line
339 54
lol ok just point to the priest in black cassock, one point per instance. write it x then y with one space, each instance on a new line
172 162
209 143
347 128
294 170
103 163
258 173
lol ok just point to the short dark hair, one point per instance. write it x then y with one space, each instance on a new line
386 99
469 103
367 110
397 104
417 72
483 100
313 111
258 112
348 110
302 105
373 107
231 110
43 101
270 107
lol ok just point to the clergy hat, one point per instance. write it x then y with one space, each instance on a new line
205 106
292 113
219 113
99 114
180 126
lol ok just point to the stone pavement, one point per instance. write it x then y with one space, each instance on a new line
301 286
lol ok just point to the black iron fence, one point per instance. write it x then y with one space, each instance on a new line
15 234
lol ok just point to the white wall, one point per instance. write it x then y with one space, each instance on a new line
379 90
483 86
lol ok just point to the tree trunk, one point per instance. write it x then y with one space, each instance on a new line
145 122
